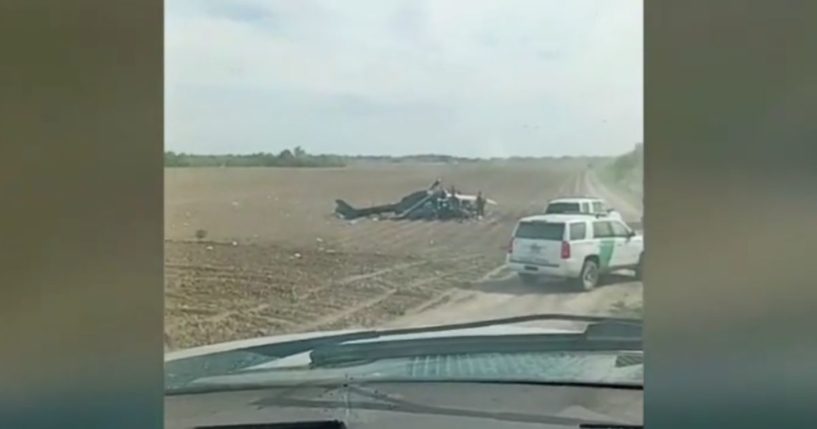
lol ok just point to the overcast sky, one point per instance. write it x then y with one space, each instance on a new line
463 77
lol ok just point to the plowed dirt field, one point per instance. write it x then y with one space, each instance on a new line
273 259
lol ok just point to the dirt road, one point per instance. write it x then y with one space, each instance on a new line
506 296
500 294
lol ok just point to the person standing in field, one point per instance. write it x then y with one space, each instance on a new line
480 204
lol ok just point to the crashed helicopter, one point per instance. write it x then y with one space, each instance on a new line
434 203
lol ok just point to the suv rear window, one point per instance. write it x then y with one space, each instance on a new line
578 231
562 208
541 230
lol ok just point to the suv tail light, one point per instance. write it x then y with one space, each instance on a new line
565 250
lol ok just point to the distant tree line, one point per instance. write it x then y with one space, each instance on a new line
419 158
296 157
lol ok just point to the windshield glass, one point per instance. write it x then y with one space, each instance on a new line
541 230
333 167
563 208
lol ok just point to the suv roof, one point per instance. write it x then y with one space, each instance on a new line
560 217
575 200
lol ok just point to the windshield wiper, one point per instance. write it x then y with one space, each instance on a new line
600 336
518 319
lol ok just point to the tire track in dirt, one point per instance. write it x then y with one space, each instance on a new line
218 318
446 296
340 315
509 297
494 238
267 305
396 300
409 236
481 236
433 238
358 277
227 275
371 229
298 317
376 307
387 236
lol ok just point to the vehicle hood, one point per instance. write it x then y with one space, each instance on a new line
247 343
301 359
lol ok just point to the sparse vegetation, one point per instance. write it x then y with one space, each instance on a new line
628 163
626 172
201 234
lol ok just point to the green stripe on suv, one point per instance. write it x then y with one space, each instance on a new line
606 252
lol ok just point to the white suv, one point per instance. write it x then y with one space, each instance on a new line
573 246
581 205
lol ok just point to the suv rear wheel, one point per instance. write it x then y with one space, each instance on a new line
589 276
